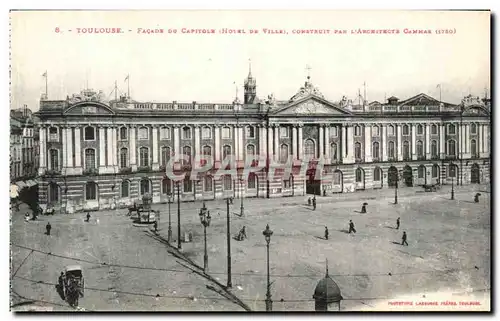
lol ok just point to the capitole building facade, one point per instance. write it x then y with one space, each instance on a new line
103 155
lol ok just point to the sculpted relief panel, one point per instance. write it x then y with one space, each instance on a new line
312 107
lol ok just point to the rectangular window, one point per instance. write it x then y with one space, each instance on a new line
123 133
226 133
53 135
143 133
283 131
164 133
250 132
206 133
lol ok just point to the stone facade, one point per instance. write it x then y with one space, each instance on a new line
96 154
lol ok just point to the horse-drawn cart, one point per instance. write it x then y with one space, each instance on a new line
73 284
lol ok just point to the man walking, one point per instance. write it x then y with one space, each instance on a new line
404 239
155 225
351 227
397 224
326 233
88 217
48 227
314 203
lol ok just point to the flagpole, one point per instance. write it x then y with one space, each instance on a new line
128 85
46 86
116 92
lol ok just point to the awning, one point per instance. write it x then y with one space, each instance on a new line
14 191
21 184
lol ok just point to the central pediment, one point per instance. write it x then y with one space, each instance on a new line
311 106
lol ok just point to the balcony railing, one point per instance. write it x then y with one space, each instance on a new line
144 169
90 171
125 170
420 157
450 156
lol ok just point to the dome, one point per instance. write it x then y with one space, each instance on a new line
327 290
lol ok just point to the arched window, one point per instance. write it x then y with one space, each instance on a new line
406 130
283 153
53 193
473 128
375 131
333 151
435 171
250 150
186 151
250 131
226 151
125 188
206 132
357 130
165 155
226 132
434 149
451 129
186 132
166 186
434 129
473 148
406 150
164 133
391 149
54 159
359 175
451 147
123 133
123 157
309 149
207 184
91 191
143 156
207 150
252 181
357 150
143 133
227 183
421 171
391 130
89 133
90 162
145 186
375 150
420 129
420 148
377 174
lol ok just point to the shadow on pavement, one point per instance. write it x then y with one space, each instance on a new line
387 226
321 238
344 231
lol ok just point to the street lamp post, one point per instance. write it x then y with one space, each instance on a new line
398 176
179 245
205 221
169 218
452 179
229 283
269 302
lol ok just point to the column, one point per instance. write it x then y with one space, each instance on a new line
102 148
155 150
177 142
270 142
321 144
461 140
263 140
110 147
241 142
413 141
383 151
217 143
301 144
485 138
294 142
235 142
78 149
114 132
197 145
276 142
327 143
69 144
368 143
43 149
343 142
467 142
441 141
64 147
427 141
350 145
133 148
399 143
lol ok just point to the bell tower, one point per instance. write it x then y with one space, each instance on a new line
250 86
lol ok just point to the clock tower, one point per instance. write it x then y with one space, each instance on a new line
250 87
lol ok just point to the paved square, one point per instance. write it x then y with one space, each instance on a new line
449 251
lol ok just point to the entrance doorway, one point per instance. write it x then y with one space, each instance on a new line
408 176
475 174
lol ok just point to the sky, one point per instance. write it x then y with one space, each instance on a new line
205 67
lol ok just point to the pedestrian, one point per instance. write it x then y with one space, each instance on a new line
326 233
309 201
155 225
314 203
242 234
397 224
476 198
48 227
404 239
351 227
363 208
88 216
